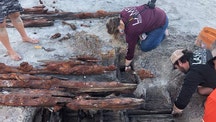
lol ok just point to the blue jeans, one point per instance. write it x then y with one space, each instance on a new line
154 38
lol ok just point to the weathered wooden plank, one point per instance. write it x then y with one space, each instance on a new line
51 98
67 67
78 69
33 84
105 104
38 23
22 77
70 86
35 98
69 15
42 22
99 87
35 10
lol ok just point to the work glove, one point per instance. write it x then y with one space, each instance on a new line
176 112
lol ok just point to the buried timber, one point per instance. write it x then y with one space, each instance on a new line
58 97
27 86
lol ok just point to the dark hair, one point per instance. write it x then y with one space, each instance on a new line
188 55
112 26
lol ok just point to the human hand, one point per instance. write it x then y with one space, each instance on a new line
127 68
176 112
124 68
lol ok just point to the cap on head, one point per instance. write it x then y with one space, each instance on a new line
176 55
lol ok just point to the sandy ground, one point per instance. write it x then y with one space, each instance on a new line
185 18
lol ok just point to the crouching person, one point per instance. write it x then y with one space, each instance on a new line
200 75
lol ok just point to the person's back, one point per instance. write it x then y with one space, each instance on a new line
142 19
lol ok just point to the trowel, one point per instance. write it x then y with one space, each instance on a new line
46 49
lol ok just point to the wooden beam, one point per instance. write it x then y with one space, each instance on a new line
34 98
105 104
69 15
61 67
75 87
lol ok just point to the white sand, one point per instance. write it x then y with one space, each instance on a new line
185 17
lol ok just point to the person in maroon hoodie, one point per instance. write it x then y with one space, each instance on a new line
145 25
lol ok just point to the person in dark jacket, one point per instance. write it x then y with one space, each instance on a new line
144 24
200 75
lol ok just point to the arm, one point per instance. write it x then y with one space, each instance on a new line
131 40
130 49
130 52
191 82
183 99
